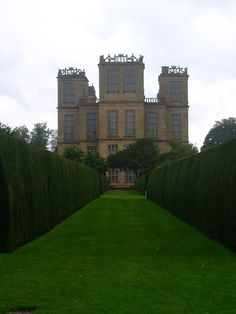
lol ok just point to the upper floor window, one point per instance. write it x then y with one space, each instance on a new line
91 125
176 124
69 92
175 91
112 123
129 123
129 81
112 81
69 125
151 124
112 149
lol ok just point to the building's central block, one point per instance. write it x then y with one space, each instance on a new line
122 114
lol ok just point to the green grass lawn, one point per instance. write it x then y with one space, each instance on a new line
120 254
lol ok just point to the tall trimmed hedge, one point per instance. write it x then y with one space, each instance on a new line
104 184
201 190
141 183
38 190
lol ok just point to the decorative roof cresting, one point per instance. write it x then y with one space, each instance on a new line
174 70
121 58
72 72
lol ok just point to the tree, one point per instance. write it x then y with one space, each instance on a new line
141 156
74 153
21 132
221 132
52 143
41 135
93 160
177 151
5 129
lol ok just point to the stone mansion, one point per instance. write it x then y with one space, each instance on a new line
121 114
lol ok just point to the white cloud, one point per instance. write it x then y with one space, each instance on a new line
38 37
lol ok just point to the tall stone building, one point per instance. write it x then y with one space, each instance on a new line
122 114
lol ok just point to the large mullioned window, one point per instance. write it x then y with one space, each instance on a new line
113 175
130 123
69 125
151 124
130 175
91 125
175 91
112 123
69 92
112 81
129 81
176 124
91 149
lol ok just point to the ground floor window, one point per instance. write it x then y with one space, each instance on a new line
130 175
91 149
113 175
112 149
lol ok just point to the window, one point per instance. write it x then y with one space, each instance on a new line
175 91
151 124
91 149
69 92
176 126
113 175
112 81
112 123
130 123
112 149
91 125
69 127
130 175
129 81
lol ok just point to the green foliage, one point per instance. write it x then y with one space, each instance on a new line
140 156
93 160
177 151
222 131
141 183
40 135
52 143
5 129
38 190
21 132
104 184
74 153
201 190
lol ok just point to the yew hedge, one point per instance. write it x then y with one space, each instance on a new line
201 190
141 183
38 190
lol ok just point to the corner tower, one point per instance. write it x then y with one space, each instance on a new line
73 92
173 93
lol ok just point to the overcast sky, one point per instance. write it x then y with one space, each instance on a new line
39 37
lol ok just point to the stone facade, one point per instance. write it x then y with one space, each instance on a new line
122 114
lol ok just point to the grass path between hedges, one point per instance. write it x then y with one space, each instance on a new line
120 254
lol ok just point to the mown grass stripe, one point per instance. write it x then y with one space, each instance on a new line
120 254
